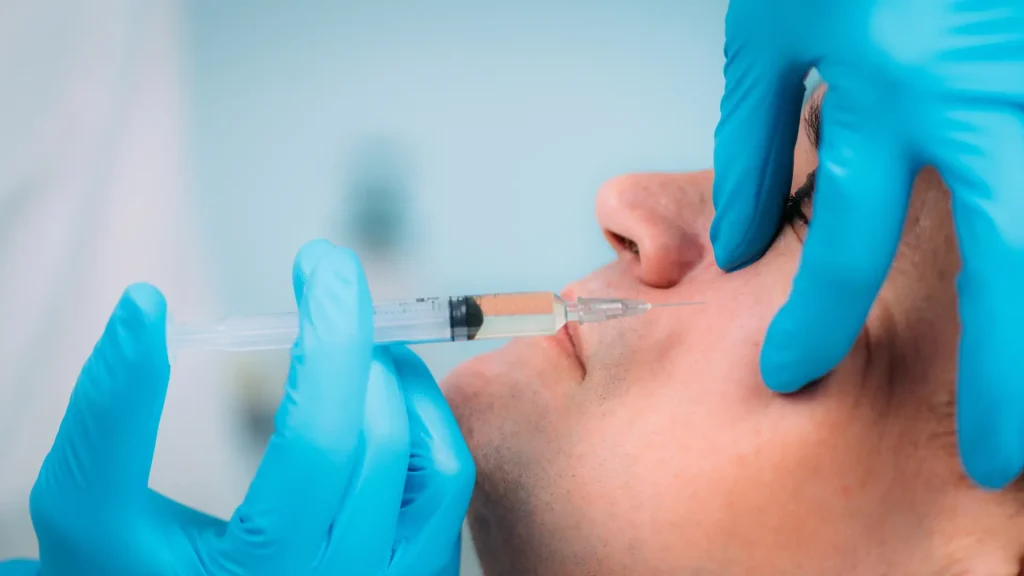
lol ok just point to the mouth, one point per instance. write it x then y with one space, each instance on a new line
567 340
568 337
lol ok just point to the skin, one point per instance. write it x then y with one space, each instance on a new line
664 453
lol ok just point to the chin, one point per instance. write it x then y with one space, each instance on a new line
523 376
511 405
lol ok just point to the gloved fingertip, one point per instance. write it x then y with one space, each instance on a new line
723 241
384 360
19 568
457 465
990 468
782 365
336 305
144 302
338 269
311 254
137 330
728 257
737 240
989 424
420 387
406 360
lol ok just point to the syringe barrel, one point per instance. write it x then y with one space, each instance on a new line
415 321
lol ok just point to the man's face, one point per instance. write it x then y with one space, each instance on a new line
658 450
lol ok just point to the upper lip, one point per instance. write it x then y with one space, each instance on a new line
572 330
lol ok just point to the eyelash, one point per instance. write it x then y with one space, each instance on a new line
794 209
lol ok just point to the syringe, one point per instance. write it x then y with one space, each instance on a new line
422 320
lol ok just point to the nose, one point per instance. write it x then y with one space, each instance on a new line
662 221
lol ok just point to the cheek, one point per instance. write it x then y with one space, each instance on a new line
676 349
718 472
683 439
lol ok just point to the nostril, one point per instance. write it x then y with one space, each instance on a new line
624 244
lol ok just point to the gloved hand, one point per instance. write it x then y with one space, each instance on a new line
366 472
911 83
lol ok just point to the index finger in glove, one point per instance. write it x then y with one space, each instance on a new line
283 523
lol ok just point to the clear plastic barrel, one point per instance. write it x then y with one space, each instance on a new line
420 320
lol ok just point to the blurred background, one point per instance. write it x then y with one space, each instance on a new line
456 145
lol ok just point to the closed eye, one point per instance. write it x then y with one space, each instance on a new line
801 198
798 200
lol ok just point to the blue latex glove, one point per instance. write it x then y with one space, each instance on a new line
365 474
911 83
